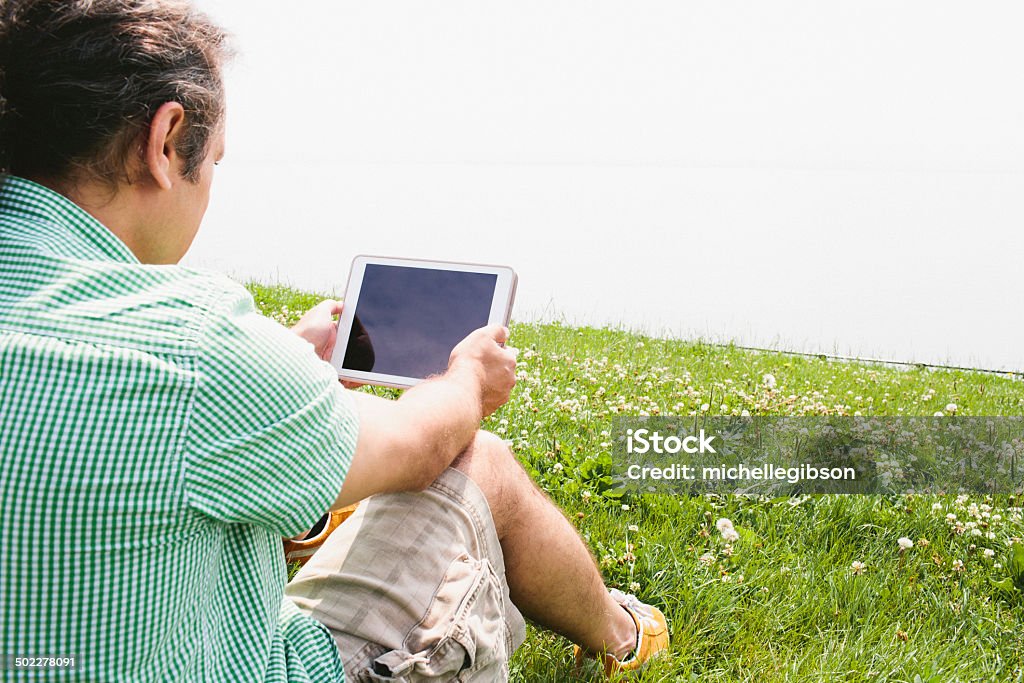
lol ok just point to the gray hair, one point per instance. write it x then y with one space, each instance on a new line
80 81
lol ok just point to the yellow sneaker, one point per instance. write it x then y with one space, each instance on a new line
651 638
300 548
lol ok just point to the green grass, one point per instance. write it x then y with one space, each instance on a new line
783 603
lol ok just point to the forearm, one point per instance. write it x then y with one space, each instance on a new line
440 418
405 444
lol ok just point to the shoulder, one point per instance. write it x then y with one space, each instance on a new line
167 307
160 310
239 349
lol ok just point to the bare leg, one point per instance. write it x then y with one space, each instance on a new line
552 576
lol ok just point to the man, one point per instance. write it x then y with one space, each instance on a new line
158 437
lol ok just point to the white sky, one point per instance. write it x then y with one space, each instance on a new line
858 165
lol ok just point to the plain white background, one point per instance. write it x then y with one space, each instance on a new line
826 176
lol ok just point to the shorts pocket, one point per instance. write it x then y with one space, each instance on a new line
463 636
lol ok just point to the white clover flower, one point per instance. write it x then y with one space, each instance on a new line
634 587
625 508
936 507
989 553
633 527
939 414
728 531
905 544
950 407
557 467
707 559
950 517
768 380
705 407
858 567
586 495
958 565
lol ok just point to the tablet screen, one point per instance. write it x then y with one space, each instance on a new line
408 320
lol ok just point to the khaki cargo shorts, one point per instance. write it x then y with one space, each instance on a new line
412 587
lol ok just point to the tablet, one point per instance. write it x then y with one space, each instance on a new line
402 317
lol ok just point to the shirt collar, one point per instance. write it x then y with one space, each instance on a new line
56 220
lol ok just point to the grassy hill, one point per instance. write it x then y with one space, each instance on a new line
816 588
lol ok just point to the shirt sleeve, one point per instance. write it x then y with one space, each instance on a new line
271 432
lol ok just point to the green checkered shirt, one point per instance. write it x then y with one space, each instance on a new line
158 437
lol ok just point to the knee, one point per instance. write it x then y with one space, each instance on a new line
489 444
486 461
494 469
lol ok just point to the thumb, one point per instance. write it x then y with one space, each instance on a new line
499 333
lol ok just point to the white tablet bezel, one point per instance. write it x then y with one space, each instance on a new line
501 309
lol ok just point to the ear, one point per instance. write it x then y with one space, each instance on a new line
161 157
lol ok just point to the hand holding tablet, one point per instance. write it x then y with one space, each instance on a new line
403 317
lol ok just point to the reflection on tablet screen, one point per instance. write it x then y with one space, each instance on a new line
408 320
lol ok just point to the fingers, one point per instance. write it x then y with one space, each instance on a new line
329 307
499 333
492 364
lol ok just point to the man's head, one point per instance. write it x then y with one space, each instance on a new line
121 94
